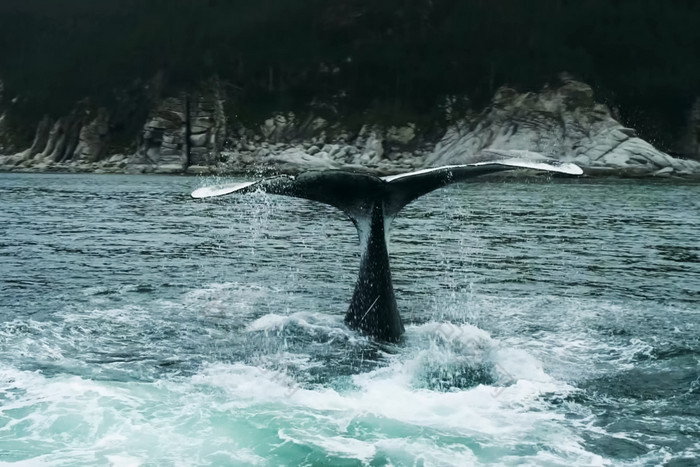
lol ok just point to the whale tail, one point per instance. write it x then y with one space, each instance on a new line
371 203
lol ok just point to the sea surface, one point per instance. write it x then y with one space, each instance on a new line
549 322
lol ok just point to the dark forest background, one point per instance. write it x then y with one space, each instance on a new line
380 59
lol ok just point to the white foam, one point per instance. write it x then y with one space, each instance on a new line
487 410
124 461
342 446
311 322
210 417
70 420
426 452
226 300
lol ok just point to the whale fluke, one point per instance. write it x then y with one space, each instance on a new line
371 203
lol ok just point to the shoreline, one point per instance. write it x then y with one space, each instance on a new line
564 123
261 172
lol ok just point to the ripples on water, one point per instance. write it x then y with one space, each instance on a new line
548 322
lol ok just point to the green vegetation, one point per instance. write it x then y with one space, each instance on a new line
390 58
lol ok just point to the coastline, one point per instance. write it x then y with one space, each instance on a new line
564 123
199 171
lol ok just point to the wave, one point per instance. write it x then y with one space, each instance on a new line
266 413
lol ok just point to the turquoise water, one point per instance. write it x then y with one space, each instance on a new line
548 323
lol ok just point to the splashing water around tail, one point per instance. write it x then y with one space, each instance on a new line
372 203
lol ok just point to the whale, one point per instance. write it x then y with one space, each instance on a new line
372 202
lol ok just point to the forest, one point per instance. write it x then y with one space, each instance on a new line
383 60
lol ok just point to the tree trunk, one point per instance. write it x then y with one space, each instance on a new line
187 146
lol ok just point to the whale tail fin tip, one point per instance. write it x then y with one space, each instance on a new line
406 187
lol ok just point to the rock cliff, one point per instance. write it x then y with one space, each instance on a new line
564 123
180 132
190 133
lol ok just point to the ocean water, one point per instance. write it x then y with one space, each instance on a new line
549 322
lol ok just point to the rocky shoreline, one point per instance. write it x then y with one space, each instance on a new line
191 136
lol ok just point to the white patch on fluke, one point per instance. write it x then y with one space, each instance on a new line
566 168
390 178
219 190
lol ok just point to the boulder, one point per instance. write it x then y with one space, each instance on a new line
199 115
198 170
401 135
370 142
169 169
295 160
93 138
664 171
199 139
562 123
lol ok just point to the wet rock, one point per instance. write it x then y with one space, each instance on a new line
92 143
198 170
168 169
664 171
279 127
199 140
369 144
200 115
402 135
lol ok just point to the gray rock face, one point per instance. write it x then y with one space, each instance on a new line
401 135
286 127
309 149
74 138
93 138
564 123
182 131
162 140
187 134
371 144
